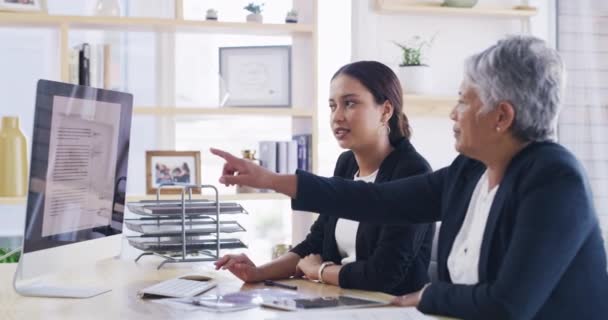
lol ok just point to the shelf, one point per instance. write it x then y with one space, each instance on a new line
12 200
428 105
152 24
225 197
407 7
227 111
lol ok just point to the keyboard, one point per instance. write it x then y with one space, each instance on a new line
188 286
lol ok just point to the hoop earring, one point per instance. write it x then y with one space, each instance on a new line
388 129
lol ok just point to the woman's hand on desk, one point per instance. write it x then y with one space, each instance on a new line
241 266
407 300
310 265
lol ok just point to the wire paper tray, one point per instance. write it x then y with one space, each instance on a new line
175 209
174 227
174 245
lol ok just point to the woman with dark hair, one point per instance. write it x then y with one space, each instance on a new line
519 237
366 118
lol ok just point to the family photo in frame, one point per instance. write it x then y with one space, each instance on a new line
23 5
172 167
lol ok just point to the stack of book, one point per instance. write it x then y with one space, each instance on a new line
90 65
287 156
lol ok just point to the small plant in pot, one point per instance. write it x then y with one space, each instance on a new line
414 74
255 12
211 15
292 16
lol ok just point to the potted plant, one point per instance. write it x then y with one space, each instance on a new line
414 74
292 16
256 12
211 15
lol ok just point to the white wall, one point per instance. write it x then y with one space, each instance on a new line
456 39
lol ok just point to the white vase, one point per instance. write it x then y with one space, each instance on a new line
255 17
107 8
416 79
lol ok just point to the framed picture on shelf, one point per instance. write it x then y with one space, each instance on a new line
23 5
177 167
255 76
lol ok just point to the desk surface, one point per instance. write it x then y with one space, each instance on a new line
125 278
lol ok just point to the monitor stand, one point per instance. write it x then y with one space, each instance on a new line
37 289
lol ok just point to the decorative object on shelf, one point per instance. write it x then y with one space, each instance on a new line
13 159
255 76
23 5
172 167
107 8
256 12
415 76
280 249
250 156
292 16
211 15
459 3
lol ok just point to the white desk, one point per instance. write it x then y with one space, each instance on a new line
126 278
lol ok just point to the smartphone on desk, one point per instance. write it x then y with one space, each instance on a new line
317 303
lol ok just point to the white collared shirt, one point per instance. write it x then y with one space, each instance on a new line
463 261
346 230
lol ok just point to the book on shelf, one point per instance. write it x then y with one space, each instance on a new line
286 156
304 151
91 65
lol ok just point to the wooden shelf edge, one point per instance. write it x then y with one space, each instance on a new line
397 6
136 23
172 111
428 105
226 197
13 200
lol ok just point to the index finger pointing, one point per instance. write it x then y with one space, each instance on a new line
223 154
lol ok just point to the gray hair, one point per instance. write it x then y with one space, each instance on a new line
525 72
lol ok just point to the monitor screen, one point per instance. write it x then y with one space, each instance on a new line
78 171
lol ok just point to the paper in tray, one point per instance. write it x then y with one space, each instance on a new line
175 209
174 227
174 244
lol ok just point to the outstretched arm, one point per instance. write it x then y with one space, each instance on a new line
241 172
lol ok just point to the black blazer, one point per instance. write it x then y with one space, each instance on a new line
392 259
542 255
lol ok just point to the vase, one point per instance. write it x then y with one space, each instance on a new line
13 159
107 8
255 17
459 3
416 79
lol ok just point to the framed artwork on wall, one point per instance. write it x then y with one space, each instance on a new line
23 5
255 76
172 167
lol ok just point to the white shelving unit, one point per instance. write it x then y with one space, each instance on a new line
303 112
441 106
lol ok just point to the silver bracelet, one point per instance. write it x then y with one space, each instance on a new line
321 268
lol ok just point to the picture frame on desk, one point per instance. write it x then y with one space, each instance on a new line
35 6
178 167
257 76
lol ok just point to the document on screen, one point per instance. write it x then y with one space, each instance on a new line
80 177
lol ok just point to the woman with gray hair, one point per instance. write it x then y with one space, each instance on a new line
519 236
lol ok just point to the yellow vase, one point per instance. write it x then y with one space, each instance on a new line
13 159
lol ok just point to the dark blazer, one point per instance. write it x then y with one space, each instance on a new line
542 255
392 259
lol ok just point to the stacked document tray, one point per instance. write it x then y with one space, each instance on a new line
192 231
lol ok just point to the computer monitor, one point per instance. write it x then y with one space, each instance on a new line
80 149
